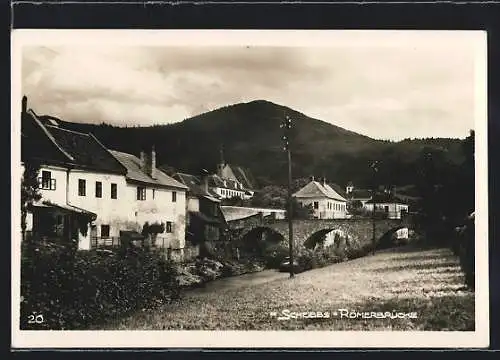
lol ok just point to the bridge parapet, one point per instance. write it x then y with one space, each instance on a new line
357 229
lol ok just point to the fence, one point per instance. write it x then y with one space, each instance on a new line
170 248
105 242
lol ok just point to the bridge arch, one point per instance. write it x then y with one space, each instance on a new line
330 236
256 239
388 238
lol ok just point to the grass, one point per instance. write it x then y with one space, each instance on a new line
428 282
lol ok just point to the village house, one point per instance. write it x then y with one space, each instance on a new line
80 182
91 194
389 203
153 197
353 194
231 181
386 200
325 201
204 218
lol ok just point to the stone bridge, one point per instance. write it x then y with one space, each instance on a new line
358 230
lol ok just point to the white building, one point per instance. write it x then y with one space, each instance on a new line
389 204
325 201
153 197
231 181
90 194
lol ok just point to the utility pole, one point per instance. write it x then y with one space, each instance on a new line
287 125
374 239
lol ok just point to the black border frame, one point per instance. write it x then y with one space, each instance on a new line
273 15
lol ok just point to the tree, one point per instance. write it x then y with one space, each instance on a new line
355 207
300 211
29 191
270 196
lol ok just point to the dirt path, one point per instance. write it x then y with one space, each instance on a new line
408 280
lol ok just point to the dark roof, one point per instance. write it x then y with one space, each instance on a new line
338 189
38 143
85 150
386 198
360 194
43 139
240 174
194 183
215 180
205 218
135 172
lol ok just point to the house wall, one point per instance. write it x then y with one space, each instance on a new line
394 209
58 195
193 203
336 209
161 209
113 212
228 193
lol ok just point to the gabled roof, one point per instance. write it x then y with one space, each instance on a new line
386 198
360 194
338 189
46 141
215 180
240 174
195 186
135 173
86 150
245 177
315 189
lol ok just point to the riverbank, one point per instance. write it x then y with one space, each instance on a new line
425 283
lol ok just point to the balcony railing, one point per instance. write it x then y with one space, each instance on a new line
46 183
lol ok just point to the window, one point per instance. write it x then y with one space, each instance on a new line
46 182
153 193
174 196
98 189
168 227
81 187
141 193
104 231
114 191
316 205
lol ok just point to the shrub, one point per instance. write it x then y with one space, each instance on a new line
274 255
73 292
356 251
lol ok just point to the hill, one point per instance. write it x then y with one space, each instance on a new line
251 136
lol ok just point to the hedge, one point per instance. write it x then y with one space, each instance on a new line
75 290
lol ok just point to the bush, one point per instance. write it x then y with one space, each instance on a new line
86 288
356 251
274 255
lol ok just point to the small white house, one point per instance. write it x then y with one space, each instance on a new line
389 204
325 201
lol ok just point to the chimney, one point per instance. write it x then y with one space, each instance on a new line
204 179
148 163
143 160
323 180
24 104
311 178
152 167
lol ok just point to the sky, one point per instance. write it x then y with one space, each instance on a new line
420 86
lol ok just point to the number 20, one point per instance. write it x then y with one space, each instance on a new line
35 319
